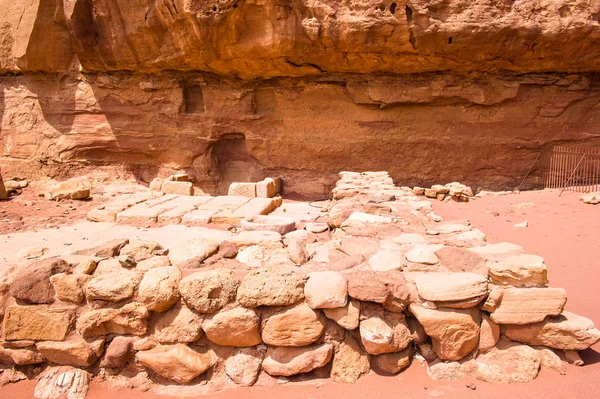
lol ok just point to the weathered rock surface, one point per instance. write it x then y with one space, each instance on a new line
350 361
393 362
113 286
347 316
528 305
387 288
69 287
209 291
140 249
20 356
454 332
507 364
131 319
237 327
449 287
178 324
117 352
268 287
294 326
37 323
519 271
567 331
489 334
158 289
384 333
326 290
177 362
284 361
74 351
62 382
32 284
244 365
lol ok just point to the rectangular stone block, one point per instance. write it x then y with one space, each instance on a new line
256 206
528 305
198 217
177 187
37 323
146 212
183 206
268 188
242 189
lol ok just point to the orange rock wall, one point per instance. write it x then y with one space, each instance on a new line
431 91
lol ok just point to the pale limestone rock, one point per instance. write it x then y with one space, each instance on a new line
158 289
286 362
85 267
242 189
509 363
113 286
141 249
244 365
62 382
444 370
454 332
386 260
177 187
567 331
385 333
153 262
176 362
422 255
208 291
448 287
237 327
178 324
347 316
326 290
198 249
498 252
269 287
294 326
519 271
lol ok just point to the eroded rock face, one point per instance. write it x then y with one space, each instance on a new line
270 288
178 362
158 289
209 291
284 361
237 327
244 365
32 284
295 326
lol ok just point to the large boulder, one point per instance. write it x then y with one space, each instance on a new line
158 289
387 288
178 325
326 290
209 291
32 284
37 323
114 286
131 319
243 366
237 327
527 305
384 333
284 361
454 332
567 331
269 287
178 362
519 271
294 326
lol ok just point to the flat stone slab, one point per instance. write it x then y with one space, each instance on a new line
146 212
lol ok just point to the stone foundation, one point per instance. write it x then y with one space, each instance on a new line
381 284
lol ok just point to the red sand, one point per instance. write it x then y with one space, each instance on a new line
562 230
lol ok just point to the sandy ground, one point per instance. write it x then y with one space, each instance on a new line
562 230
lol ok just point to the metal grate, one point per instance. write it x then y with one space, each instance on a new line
572 168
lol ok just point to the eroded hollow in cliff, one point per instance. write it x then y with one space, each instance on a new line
193 100
231 162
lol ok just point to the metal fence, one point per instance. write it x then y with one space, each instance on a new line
572 168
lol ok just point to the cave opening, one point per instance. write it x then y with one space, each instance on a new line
193 100
231 162
393 8
409 14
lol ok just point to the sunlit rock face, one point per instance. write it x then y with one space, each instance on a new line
433 91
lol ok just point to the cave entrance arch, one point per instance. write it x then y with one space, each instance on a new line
231 162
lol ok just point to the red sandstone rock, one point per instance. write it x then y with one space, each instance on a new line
178 324
528 305
284 361
270 288
384 333
208 291
117 353
294 326
347 316
129 319
32 284
113 286
387 288
237 327
37 323
327 289
393 362
178 362
244 365
350 361
158 289
74 351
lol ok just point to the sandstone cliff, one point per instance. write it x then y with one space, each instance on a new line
432 91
